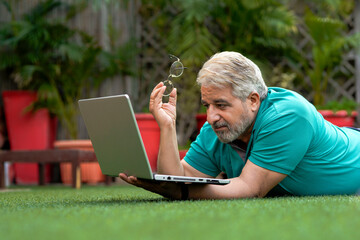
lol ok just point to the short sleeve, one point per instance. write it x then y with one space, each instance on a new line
281 143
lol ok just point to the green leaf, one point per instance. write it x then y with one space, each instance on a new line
71 51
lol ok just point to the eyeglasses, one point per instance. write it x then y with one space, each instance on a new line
176 70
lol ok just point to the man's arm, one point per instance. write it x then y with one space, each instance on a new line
165 115
254 181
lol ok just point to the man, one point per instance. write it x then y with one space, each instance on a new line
261 138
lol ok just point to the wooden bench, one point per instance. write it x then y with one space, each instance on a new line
73 156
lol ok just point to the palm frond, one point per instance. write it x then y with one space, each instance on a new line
277 21
6 5
41 10
323 29
71 51
189 37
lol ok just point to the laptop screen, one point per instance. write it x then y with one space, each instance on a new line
111 125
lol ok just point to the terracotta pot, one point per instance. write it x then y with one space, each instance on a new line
339 118
90 172
27 131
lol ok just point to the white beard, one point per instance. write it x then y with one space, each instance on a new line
235 131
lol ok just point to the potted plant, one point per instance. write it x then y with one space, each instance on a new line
27 130
42 55
341 113
56 63
328 45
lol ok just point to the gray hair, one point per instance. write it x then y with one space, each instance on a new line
233 69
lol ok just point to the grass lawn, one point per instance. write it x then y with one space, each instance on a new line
123 212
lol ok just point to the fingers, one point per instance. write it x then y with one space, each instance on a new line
156 97
124 177
129 179
158 90
166 189
137 182
173 97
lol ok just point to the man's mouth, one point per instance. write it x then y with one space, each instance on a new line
220 127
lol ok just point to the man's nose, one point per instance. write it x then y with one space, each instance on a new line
212 115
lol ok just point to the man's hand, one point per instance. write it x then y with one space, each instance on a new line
164 113
169 190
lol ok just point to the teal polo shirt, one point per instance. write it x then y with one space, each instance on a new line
289 137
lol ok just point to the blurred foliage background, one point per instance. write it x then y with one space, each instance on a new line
307 46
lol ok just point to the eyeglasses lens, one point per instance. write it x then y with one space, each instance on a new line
176 69
169 87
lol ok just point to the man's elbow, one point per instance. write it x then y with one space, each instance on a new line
251 191
257 194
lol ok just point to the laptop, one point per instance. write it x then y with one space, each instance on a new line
115 136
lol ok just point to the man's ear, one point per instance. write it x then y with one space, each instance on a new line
254 100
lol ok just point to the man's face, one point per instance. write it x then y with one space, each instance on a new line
229 117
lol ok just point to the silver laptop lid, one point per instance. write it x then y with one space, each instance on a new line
112 128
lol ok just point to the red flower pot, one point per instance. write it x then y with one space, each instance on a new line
200 120
182 153
150 134
339 118
27 131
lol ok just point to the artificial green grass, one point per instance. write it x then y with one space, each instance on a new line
123 212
